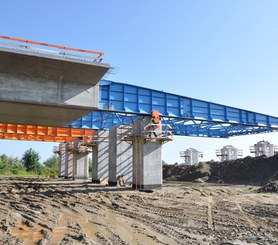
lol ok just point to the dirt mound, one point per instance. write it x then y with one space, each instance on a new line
258 170
186 173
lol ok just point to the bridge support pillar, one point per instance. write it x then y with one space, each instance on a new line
82 165
100 159
147 162
61 151
73 161
120 155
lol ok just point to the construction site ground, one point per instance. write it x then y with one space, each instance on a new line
39 211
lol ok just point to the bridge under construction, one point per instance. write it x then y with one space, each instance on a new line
55 93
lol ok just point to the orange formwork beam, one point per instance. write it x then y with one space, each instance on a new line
43 133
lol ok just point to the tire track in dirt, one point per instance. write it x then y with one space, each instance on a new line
179 214
210 218
245 216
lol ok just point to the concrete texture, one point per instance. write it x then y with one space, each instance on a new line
120 155
82 165
147 162
100 159
63 85
36 114
69 163
73 161
50 67
62 160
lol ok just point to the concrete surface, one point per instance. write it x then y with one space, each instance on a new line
62 160
70 159
82 165
69 163
147 162
100 159
37 114
34 86
50 67
120 155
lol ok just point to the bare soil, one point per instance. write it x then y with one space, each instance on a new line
62 212
249 170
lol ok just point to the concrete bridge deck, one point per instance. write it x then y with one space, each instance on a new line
46 89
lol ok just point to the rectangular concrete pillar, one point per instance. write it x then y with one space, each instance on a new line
147 162
62 160
120 155
82 165
100 159
73 161
69 161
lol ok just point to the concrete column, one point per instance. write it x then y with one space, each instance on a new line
62 159
69 161
120 155
100 159
147 162
73 161
82 165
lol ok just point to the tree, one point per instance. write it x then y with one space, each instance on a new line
30 161
10 164
51 161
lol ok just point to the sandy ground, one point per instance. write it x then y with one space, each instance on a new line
44 212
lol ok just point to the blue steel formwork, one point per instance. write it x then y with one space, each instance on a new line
121 103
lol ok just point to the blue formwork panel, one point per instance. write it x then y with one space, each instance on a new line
121 104
120 97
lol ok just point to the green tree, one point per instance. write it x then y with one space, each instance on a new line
4 163
50 166
30 161
10 165
51 161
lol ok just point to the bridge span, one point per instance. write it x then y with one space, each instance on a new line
43 88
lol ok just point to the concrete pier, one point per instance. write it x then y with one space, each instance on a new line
82 166
73 161
62 159
120 155
147 162
100 159
69 162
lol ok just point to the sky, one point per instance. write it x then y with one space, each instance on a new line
220 51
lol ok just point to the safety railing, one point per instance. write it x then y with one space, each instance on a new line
158 131
161 133
93 56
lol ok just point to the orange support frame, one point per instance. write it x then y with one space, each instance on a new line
43 133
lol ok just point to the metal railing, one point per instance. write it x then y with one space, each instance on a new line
93 56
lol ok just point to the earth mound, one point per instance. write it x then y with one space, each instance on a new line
269 187
249 170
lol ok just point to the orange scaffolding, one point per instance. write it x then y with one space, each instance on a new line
43 133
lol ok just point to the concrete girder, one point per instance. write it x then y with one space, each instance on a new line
43 89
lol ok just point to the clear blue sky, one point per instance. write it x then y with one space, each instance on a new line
219 51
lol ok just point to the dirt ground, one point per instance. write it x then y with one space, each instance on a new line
33 211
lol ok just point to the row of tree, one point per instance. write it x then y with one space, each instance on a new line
28 164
